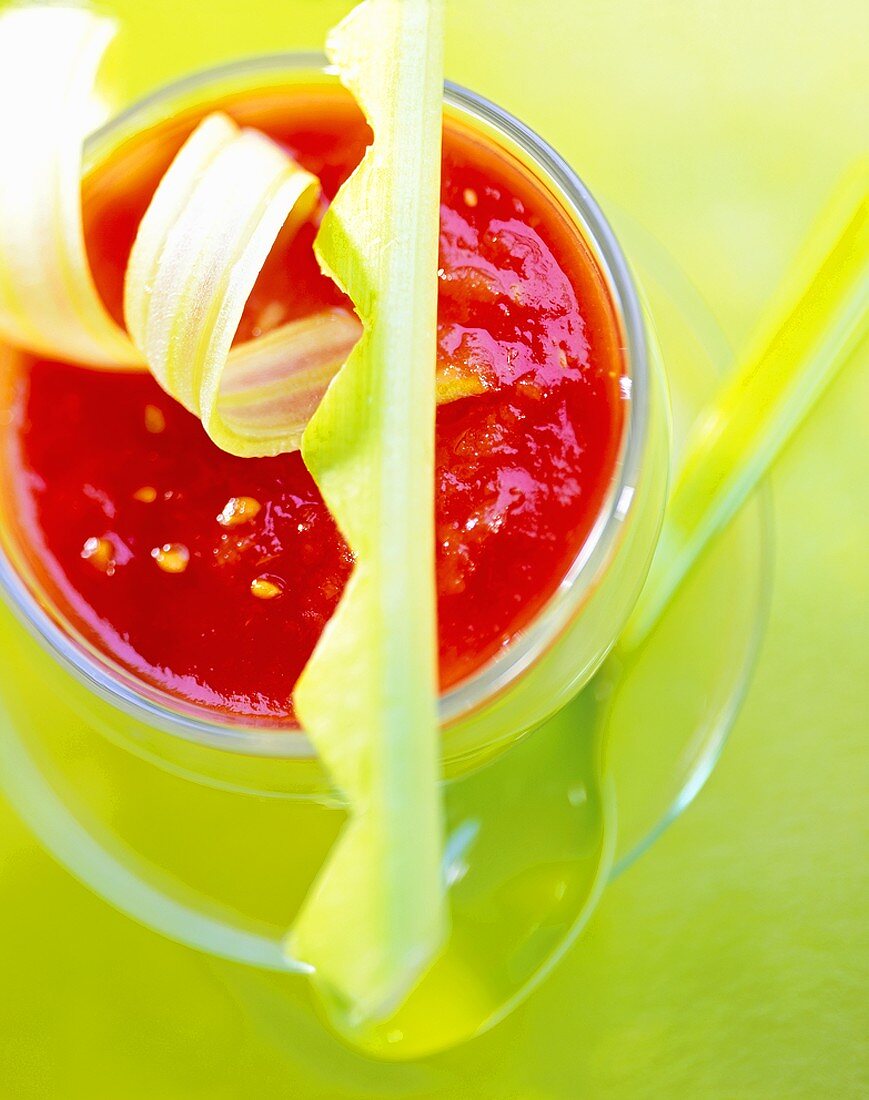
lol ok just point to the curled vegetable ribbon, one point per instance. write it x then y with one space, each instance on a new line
201 244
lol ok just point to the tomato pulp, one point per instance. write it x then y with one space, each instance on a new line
211 576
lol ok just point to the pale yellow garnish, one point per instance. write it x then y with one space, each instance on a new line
49 57
202 242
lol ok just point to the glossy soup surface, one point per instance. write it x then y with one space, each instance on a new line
116 490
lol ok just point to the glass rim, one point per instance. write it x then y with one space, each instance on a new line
196 723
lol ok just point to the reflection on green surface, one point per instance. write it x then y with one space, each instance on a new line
727 962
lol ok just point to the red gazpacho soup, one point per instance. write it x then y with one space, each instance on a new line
211 576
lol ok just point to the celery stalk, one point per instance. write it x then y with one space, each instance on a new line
377 914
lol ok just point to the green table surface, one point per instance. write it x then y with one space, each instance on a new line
732 960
